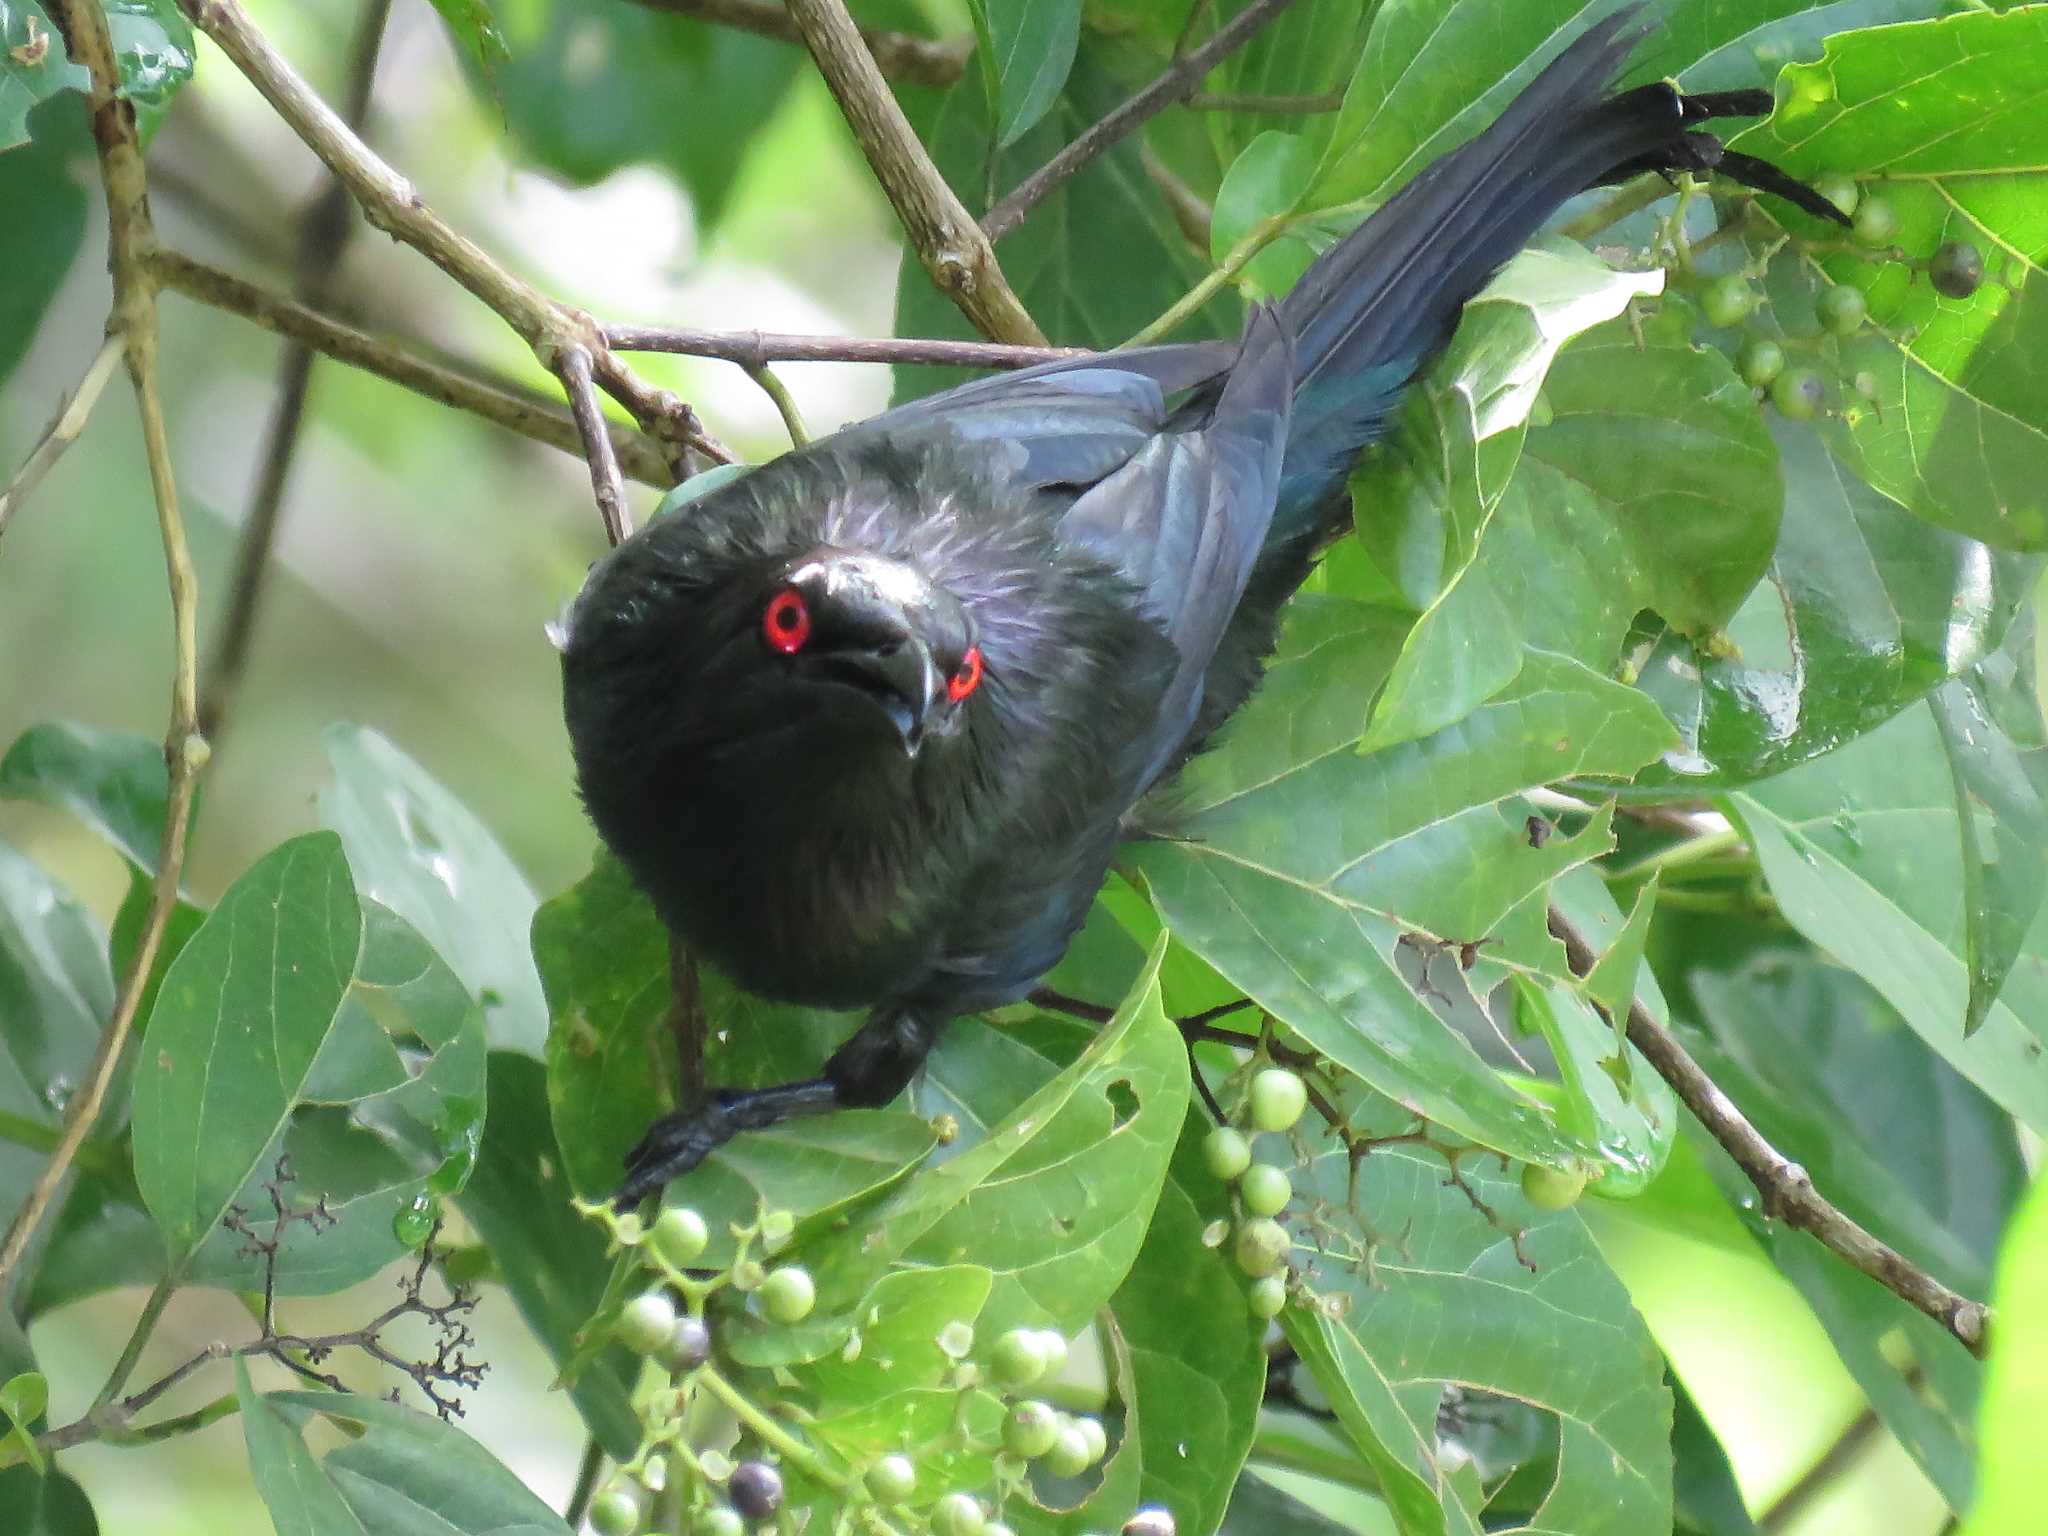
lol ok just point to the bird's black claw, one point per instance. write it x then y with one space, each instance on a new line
673 1145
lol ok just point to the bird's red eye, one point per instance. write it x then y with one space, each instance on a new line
786 622
967 678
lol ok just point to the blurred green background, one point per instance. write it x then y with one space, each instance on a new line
423 552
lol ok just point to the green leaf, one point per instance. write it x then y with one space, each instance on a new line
1863 854
33 67
401 1471
1900 1143
551 1261
421 852
475 31
2015 1475
126 938
1083 1157
1266 181
604 961
154 52
303 1022
46 221
1612 981
1027 49
1867 609
590 86
1309 49
113 782
1992 731
1443 1299
1308 874
52 1505
1705 1497
23 1400
1943 114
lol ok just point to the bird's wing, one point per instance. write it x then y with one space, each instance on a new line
1064 423
1185 516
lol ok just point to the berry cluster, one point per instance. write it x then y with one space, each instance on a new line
1274 1101
727 1485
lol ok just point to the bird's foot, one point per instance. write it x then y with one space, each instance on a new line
676 1143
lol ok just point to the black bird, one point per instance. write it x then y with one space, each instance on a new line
867 723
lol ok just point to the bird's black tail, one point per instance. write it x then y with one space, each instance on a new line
1379 304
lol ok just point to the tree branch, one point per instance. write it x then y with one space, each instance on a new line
63 431
1179 81
391 203
130 237
899 55
503 404
756 349
323 235
1787 1188
952 247
573 364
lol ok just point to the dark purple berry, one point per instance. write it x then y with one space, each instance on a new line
755 1489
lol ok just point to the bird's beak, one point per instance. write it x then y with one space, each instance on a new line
905 682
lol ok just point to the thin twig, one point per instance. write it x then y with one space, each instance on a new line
323 235
784 403
503 404
1179 82
1191 213
899 55
391 203
1841 1452
63 431
130 236
1304 106
757 349
1787 1189
573 364
952 247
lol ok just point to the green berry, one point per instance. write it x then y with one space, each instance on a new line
788 1295
1054 1343
892 1479
719 1522
1269 1296
1265 1190
1262 1246
1094 1434
755 1489
1728 300
777 1228
1031 1429
1875 223
1152 1521
959 1514
680 1236
1226 1152
1019 1358
1839 188
647 1321
616 1511
1548 1189
1798 393
1069 1454
1277 1099
1957 269
1760 361
1842 309
688 1346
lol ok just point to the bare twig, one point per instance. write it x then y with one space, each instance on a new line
756 349
63 431
1787 1188
573 364
391 203
133 318
502 403
942 232
1176 84
1191 213
323 235
899 55
1842 1452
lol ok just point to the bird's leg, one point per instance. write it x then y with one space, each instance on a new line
866 1072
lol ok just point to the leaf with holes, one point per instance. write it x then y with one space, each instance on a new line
302 1022
33 67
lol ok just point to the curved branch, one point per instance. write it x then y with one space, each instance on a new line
952 247
130 237
899 55
1787 1189
757 349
